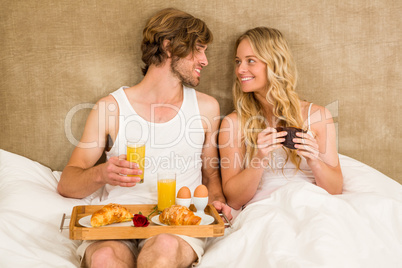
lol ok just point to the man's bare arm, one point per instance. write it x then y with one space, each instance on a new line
209 109
81 177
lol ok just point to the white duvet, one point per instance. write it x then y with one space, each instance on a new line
299 225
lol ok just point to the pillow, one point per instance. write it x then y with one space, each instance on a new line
30 215
29 188
361 178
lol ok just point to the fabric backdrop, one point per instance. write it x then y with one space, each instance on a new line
57 58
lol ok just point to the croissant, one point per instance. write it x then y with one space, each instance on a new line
111 213
179 215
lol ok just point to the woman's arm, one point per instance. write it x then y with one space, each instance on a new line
320 151
240 183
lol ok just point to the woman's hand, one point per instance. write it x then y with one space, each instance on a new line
307 147
116 169
269 140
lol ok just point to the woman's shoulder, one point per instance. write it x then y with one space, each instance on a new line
316 117
312 110
230 119
229 132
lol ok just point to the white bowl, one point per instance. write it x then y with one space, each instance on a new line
183 202
200 204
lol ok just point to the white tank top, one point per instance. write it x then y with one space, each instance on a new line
176 144
282 172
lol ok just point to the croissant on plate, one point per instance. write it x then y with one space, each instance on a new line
111 213
179 215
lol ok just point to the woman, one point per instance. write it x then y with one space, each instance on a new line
254 161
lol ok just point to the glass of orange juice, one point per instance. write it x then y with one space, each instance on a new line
166 189
136 154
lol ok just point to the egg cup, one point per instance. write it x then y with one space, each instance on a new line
183 202
200 204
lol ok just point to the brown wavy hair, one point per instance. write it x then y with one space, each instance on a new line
183 31
270 47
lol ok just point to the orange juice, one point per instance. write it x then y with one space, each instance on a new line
136 154
166 193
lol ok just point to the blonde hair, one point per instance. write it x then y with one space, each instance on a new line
183 31
271 48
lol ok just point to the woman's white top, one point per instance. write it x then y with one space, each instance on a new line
281 172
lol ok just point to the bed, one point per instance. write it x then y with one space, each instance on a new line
299 225
57 58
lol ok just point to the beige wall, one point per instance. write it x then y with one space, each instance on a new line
55 55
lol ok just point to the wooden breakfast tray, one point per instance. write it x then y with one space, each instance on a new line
78 232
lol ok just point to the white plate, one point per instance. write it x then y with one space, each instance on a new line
86 222
205 219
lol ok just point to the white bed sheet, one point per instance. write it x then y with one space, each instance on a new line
299 225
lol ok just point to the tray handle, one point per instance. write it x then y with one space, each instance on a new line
227 223
62 227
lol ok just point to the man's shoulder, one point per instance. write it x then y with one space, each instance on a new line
109 99
107 105
207 102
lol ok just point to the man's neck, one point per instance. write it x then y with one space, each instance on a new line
160 85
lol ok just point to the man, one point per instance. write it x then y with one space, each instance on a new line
177 123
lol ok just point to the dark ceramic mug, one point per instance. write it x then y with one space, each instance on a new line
290 136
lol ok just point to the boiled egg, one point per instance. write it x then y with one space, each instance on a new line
201 191
184 192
